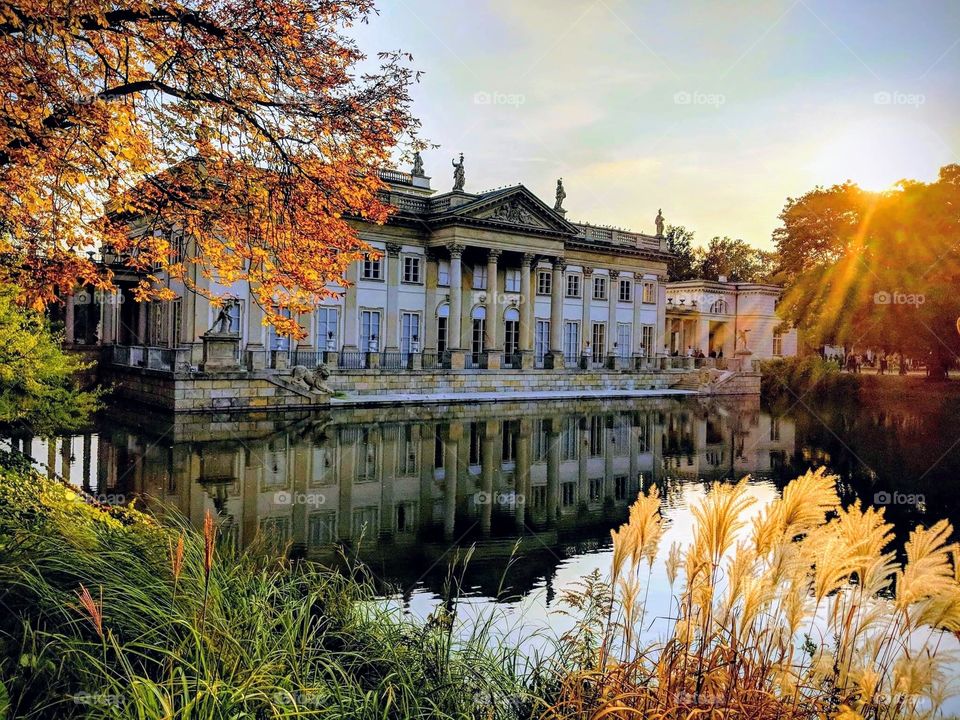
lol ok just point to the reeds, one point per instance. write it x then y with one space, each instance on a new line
802 612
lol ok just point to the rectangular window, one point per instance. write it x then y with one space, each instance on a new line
275 341
646 339
626 291
176 321
777 343
155 329
599 341
573 286
328 328
541 341
411 269
596 436
372 268
568 494
405 517
480 277
620 487
369 330
409 332
544 282
512 280
649 293
322 528
571 341
624 331
599 288
177 247
441 334
596 489
443 273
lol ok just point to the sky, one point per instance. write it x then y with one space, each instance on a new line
714 111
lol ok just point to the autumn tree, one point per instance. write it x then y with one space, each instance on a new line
876 270
735 259
247 124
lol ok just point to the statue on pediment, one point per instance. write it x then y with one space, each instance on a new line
561 195
459 174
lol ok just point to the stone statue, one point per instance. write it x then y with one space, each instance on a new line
312 380
561 195
659 222
742 338
459 175
417 164
223 325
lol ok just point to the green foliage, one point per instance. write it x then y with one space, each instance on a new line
683 264
238 636
793 377
37 386
737 260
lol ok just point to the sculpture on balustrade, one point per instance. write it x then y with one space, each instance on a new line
417 164
561 195
659 222
459 175
312 380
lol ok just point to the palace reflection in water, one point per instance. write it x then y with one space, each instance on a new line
401 487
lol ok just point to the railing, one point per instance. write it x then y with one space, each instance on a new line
394 360
471 361
352 360
151 358
399 176
432 360
512 361
571 361
310 358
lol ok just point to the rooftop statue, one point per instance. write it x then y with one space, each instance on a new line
459 176
417 163
659 222
561 195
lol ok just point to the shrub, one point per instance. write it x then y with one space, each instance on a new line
795 376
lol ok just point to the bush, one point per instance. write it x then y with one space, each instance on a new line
796 376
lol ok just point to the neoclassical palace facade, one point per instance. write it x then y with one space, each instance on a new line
498 278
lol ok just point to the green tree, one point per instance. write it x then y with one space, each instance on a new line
683 264
876 270
737 260
37 386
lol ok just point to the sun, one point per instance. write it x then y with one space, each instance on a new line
877 154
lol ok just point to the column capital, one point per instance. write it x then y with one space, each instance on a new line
587 271
527 259
614 274
456 250
393 249
494 254
559 263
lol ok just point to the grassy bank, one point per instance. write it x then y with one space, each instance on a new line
796 610
790 378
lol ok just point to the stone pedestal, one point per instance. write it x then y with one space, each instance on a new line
416 361
221 352
457 359
527 360
553 361
257 356
494 359
373 361
742 360
331 358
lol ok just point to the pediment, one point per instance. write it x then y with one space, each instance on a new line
513 207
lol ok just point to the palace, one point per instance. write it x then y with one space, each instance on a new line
495 280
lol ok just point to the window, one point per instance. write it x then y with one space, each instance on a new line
372 269
596 489
646 340
443 273
155 329
275 341
599 341
571 341
411 269
512 280
620 487
322 528
649 293
176 321
626 291
719 307
408 462
478 344
624 332
573 286
544 282
777 343
409 333
568 494
443 312
369 330
541 341
599 288
511 331
177 247
328 328
480 277
405 517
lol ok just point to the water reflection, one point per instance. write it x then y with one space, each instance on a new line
400 487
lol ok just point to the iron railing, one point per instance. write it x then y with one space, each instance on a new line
432 360
512 361
352 360
151 358
394 360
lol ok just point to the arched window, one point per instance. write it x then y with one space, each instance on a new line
479 313
511 314
719 307
443 314
511 332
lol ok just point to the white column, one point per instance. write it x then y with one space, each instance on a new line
351 320
393 276
586 295
527 303
556 309
613 294
455 323
493 295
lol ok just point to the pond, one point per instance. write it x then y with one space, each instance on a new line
533 489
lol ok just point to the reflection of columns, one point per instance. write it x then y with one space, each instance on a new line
583 445
392 276
427 440
703 336
608 448
487 472
451 470
252 469
51 457
586 293
347 442
493 296
613 293
65 453
526 303
87 455
69 320
553 470
638 318
522 472
455 323
556 314
660 290
389 440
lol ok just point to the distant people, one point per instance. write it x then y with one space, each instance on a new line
689 350
851 363
720 353
713 353
882 365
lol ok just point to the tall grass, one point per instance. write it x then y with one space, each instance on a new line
802 612
109 614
